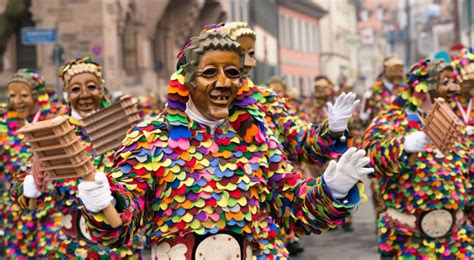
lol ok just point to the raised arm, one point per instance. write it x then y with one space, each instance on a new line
314 205
130 183
302 140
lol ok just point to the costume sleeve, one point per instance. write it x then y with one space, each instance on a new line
383 142
304 206
303 141
132 180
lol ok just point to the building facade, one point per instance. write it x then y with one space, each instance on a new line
300 43
380 36
340 40
135 40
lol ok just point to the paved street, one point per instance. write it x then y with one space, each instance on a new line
338 245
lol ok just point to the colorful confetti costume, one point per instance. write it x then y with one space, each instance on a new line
430 183
28 234
461 107
173 174
73 244
301 140
381 98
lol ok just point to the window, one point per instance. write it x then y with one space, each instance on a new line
287 32
129 47
316 39
303 36
297 35
281 30
310 37
290 33
364 15
239 10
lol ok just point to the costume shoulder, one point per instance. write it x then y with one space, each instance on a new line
386 118
147 131
377 87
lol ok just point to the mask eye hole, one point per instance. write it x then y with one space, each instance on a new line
75 89
232 72
91 87
251 53
210 72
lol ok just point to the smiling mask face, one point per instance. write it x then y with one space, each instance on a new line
85 93
21 99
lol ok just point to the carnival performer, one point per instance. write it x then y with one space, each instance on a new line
28 234
291 241
323 92
388 85
383 92
425 199
84 92
305 142
462 105
207 171
278 85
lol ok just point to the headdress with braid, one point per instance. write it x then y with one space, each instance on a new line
417 90
31 78
78 66
464 65
199 45
238 29
182 80
81 65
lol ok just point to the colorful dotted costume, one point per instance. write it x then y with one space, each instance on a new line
302 141
381 98
430 183
176 176
28 234
463 106
73 243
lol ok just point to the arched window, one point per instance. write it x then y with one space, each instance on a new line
129 47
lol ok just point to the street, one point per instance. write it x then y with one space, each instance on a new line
338 245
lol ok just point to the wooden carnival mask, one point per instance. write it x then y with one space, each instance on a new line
447 86
216 84
394 70
85 93
247 43
241 32
21 99
213 73
322 89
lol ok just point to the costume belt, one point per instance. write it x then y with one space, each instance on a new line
73 225
191 246
435 223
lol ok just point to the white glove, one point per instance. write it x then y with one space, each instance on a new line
29 188
340 177
416 142
95 195
340 113
364 116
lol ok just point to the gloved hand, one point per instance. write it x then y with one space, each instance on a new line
416 142
341 176
340 113
95 195
29 188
